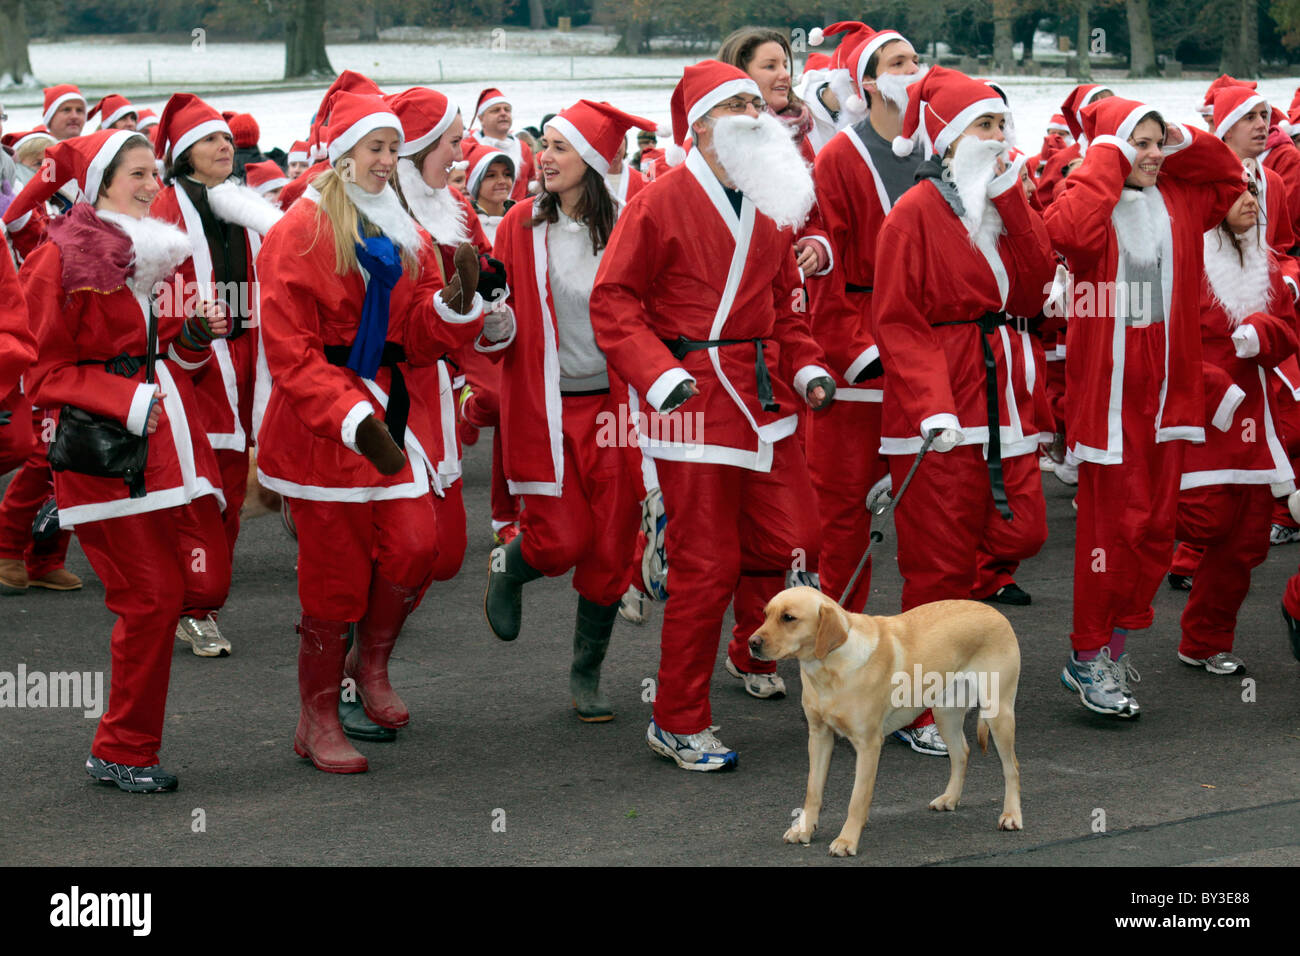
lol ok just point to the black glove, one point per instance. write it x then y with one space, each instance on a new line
828 384
676 397
873 370
4 417
491 279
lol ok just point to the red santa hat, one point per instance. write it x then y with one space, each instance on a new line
425 114
941 105
703 86
1280 120
488 99
1231 103
145 119
853 32
298 152
816 61
1079 97
596 130
81 160
1057 124
243 128
111 109
478 159
355 115
349 81
17 140
263 177
56 96
1114 116
186 119
1224 82
857 63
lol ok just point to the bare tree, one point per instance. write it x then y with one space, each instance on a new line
1142 56
14 62
536 15
1004 58
304 40
1083 60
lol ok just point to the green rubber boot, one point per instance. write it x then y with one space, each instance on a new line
352 716
503 602
590 642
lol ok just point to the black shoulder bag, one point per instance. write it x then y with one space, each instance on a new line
90 444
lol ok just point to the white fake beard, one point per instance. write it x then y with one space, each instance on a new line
1240 288
763 163
159 248
841 82
243 206
893 86
385 210
436 210
1138 219
972 167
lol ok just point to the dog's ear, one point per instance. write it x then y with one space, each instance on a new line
831 632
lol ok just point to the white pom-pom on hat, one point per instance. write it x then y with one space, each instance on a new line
816 37
664 132
674 155
855 104
903 146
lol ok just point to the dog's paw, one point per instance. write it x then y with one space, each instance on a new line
799 834
1011 821
944 802
841 846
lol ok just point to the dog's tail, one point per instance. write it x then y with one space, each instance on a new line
982 732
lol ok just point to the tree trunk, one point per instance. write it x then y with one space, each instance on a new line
1004 59
633 33
304 41
1083 44
1248 40
536 15
369 26
1142 56
13 52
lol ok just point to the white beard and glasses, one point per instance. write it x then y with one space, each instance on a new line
762 161
970 169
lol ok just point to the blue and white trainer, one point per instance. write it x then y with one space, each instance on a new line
701 751
1098 685
131 779
654 561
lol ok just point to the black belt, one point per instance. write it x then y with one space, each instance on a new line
987 323
399 399
583 393
854 287
681 345
124 365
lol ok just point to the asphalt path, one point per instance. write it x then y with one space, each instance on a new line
495 768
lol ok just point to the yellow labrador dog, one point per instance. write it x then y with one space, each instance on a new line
865 677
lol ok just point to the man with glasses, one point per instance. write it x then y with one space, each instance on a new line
698 306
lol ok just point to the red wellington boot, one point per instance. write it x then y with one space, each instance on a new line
367 662
320 672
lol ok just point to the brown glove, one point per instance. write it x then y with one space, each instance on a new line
458 294
377 444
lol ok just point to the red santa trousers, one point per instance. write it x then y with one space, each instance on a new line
449 512
341 544
1288 413
946 517
152 565
591 527
234 464
1231 521
23 445
1124 531
729 529
844 461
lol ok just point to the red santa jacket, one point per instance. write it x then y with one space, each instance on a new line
1244 447
229 426
681 263
1283 158
87 324
306 306
1198 183
17 343
929 273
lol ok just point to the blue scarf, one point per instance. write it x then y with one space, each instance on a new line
379 257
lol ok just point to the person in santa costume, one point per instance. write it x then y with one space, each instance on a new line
348 81
564 452
17 343
1058 165
828 88
115 112
955 256
225 222
343 438
267 180
64 114
91 290
858 179
623 181
1130 222
490 177
694 306
296 160
1228 483
495 116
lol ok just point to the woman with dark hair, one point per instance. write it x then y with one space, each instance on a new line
91 294
1130 223
225 222
562 455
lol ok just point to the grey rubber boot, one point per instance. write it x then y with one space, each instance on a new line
503 602
590 642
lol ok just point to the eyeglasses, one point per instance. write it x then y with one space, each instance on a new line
738 104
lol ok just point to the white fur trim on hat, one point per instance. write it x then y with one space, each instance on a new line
54 107
192 136
958 124
298 156
588 152
475 177
366 124
415 145
723 91
95 171
489 103
874 44
107 121
1242 109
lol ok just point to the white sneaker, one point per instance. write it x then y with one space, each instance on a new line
635 606
924 740
1281 534
203 636
1068 472
762 686
701 751
1045 463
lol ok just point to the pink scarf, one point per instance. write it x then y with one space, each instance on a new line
97 256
